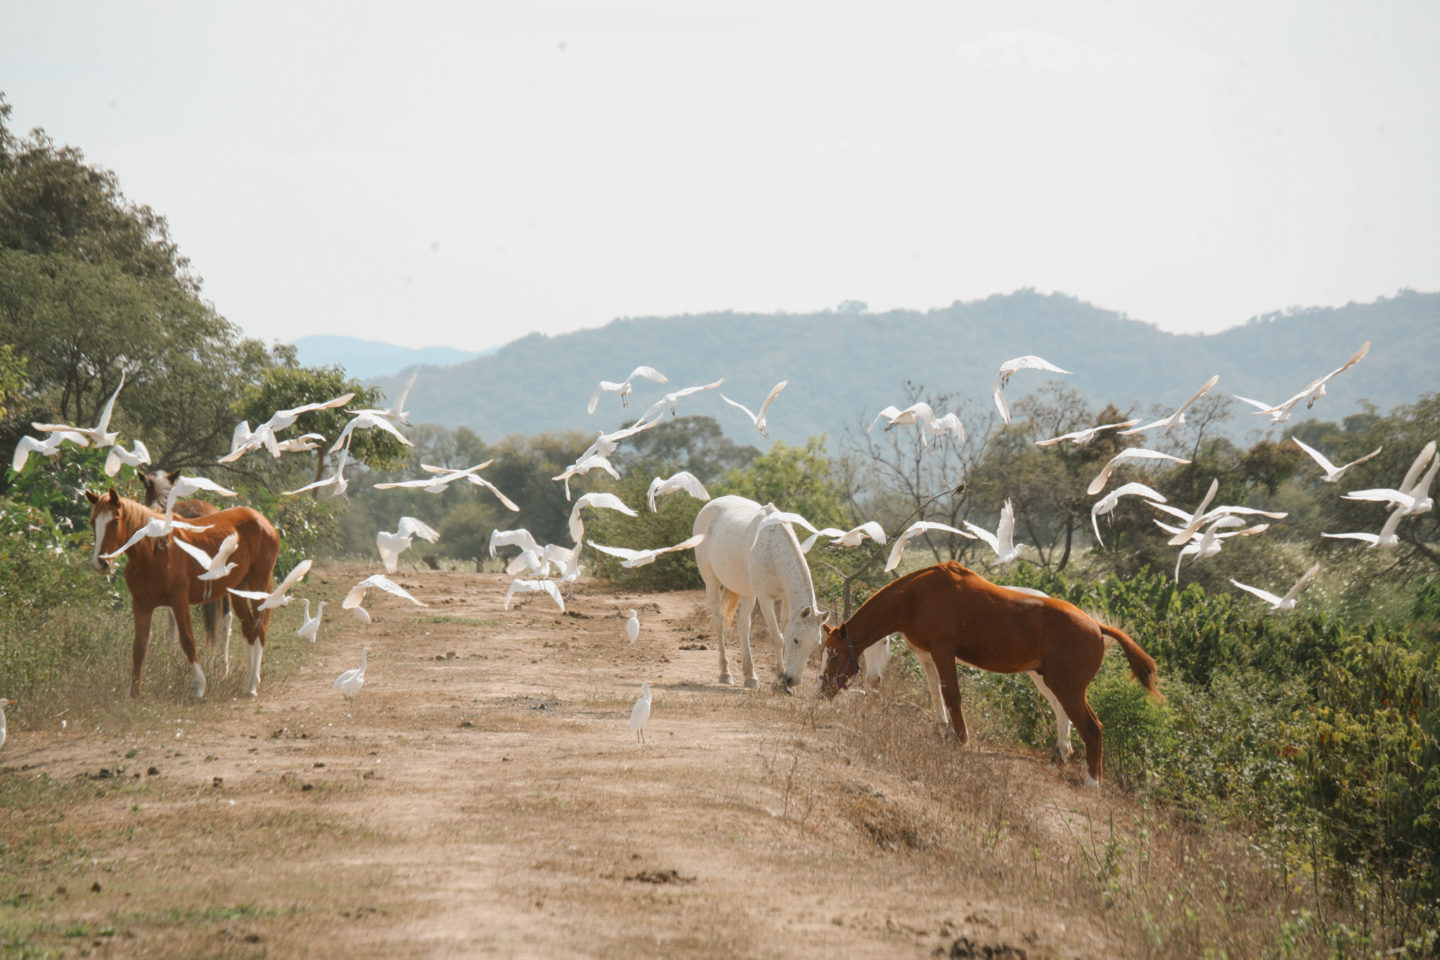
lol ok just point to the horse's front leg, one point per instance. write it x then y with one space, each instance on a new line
181 609
772 623
950 693
142 616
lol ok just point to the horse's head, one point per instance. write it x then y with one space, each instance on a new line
841 662
107 518
157 486
803 634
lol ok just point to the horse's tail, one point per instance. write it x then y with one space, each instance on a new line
729 603
1142 665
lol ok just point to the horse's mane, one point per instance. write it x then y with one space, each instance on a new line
136 514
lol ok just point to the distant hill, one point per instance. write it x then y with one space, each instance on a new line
367 359
845 366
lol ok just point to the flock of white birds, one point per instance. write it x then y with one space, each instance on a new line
553 568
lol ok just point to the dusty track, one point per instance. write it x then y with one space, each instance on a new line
484 798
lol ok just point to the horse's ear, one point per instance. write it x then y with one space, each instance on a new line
113 496
173 476
806 614
825 620
92 496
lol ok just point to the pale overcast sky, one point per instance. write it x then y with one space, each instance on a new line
466 173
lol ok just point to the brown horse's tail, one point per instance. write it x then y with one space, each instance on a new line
1142 665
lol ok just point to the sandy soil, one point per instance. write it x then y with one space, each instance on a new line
484 797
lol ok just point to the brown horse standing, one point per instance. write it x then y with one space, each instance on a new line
950 613
159 574
217 614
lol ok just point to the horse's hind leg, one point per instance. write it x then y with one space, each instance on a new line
715 600
742 627
950 692
181 610
1078 708
226 622
1063 750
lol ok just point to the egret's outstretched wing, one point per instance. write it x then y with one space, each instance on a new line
915 529
1265 595
535 586
1125 456
356 596
1008 368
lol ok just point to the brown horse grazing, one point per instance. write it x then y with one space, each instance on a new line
950 613
160 574
218 618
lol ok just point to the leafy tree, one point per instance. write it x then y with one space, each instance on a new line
93 289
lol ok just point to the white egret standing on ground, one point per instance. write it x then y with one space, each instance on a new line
311 626
3 704
632 626
640 713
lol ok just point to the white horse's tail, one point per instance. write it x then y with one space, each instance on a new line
729 603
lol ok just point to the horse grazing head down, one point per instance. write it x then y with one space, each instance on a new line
107 520
803 634
841 662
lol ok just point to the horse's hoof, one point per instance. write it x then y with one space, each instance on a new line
752 684
725 678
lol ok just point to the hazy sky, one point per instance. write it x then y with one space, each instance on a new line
466 173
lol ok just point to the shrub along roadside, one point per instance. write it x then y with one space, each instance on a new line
1321 734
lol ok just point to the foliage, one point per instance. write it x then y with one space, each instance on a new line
1323 730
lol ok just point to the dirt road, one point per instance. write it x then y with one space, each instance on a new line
484 797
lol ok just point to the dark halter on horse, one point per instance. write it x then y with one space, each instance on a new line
846 673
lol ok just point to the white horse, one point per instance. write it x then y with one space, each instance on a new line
746 557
